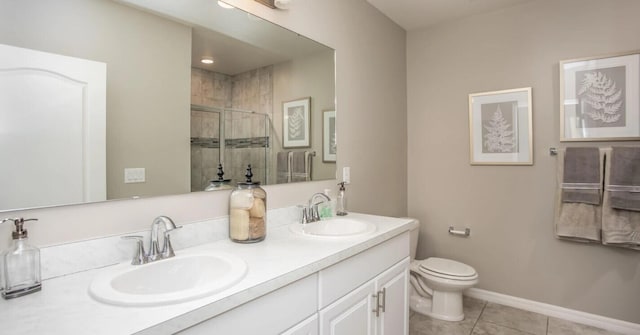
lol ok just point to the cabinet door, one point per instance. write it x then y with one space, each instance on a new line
395 283
350 315
306 327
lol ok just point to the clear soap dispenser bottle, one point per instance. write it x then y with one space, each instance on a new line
341 205
20 264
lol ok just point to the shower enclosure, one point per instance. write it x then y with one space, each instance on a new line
231 137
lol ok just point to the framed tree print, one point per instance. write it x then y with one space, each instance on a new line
599 98
329 145
500 127
296 123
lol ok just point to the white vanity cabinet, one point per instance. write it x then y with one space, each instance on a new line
380 305
343 299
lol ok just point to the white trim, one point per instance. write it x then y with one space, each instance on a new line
614 325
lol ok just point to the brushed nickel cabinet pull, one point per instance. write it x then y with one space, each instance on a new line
377 307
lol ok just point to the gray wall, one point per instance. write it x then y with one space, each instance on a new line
290 84
509 208
148 74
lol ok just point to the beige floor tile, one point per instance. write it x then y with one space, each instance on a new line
472 308
424 325
564 327
514 318
488 328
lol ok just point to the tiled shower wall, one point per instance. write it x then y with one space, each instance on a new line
252 90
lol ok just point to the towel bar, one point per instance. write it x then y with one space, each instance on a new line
466 232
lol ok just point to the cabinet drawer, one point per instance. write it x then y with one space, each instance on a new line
272 313
306 327
339 279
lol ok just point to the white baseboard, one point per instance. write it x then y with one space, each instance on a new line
614 325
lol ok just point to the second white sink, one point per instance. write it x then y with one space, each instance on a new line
334 228
183 277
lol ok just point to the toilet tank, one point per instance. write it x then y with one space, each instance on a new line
414 233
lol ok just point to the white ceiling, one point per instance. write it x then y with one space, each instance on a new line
415 14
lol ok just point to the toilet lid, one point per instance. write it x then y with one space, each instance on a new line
446 267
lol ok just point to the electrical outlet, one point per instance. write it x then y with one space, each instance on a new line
346 175
134 175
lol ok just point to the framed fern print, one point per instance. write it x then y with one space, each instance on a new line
599 98
329 144
500 127
296 123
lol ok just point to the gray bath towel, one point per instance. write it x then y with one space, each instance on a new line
283 168
301 166
582 181
620 227
576 221
625 174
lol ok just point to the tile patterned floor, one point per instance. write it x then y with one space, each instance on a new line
486 318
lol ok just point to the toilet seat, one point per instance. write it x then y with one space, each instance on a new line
447 269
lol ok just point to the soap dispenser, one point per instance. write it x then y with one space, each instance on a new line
341 205
21 264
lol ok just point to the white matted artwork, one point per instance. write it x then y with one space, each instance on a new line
329 144
599 98
296 123
500 127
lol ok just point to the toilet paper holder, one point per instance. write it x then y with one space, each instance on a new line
466 232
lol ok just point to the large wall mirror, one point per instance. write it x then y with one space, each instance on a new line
111 99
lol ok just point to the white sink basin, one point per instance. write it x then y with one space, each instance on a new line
334 228
177 279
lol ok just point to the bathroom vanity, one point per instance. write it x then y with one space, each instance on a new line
294 284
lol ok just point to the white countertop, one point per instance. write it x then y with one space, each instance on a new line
65 307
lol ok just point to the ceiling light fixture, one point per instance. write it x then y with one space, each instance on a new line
206 60
224 5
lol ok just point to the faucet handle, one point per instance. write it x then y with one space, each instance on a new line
167 248
305 216
140 256
315 215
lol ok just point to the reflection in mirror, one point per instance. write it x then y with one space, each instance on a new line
150 118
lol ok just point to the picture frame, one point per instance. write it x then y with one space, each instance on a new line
329 144
501 127
296 123
599 98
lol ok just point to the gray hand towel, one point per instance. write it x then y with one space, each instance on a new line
620 227
299 170
582 166
283 168
575 221
625 171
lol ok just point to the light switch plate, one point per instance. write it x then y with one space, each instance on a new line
134 175
346 175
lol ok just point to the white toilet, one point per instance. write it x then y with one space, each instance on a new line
437 283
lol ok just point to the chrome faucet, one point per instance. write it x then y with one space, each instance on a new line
155 253
310 213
